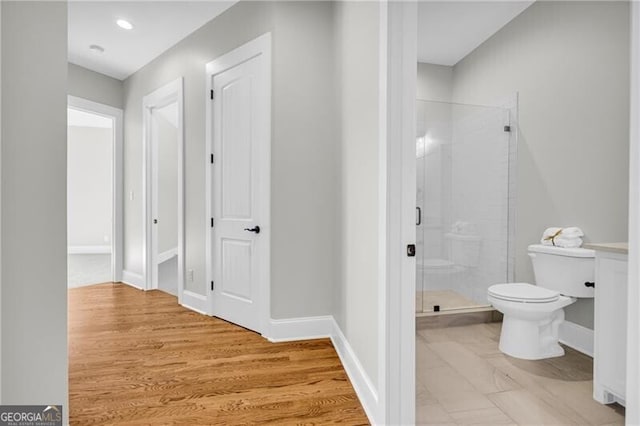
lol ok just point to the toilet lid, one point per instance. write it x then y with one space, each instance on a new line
523 292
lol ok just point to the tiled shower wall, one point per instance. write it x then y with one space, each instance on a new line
464 164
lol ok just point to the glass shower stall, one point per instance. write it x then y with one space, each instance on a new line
464 204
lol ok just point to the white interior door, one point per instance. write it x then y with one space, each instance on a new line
240 202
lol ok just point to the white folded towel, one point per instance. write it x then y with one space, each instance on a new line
568 242
572 232
551 233
570 237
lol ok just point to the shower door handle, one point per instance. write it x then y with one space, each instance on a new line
419 216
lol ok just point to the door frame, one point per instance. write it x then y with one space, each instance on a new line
398 73
633 318
117 234
258 46
169 93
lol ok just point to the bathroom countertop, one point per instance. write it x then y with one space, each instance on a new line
622 248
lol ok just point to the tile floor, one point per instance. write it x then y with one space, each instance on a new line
462 378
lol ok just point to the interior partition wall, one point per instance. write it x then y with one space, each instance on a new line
464 200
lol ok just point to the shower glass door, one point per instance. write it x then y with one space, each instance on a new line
463 157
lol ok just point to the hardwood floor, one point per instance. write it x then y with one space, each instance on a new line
462 378
139 358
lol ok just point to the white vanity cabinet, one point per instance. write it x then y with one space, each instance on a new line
610 323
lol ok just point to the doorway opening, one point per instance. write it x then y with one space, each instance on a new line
94 203
164 189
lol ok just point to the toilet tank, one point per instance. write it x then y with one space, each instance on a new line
565 270
464 250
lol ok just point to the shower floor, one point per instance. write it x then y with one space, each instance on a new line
446 299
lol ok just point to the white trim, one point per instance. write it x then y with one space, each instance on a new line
398 403
633 291
133 279
167 94
117 237
89 250
383 277
259 46
577 337
286 330
166 255
364 388
194 301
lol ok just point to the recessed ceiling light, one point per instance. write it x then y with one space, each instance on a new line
122 23
96 49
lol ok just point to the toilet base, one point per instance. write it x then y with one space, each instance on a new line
532 340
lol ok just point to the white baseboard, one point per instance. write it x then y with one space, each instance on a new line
577 337
366 391
133 279
89 250
194 301
286 330
166 255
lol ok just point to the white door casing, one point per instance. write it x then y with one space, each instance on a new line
238 185
165 95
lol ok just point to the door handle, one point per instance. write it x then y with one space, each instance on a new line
255 229
419 219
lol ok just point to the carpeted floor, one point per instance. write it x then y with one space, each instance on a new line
86 269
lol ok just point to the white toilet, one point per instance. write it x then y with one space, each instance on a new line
533 313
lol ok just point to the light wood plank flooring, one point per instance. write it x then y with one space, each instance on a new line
139 358
462 378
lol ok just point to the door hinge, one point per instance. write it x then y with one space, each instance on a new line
212 286
212 222
211 158
507 128
211 94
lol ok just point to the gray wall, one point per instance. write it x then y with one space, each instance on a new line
34 221
569 62
303 271
356 311
94 86
434 82
89 200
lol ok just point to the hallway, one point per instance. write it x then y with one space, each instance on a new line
139 358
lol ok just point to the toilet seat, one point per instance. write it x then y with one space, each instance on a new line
523 293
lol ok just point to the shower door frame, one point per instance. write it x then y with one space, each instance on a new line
508 106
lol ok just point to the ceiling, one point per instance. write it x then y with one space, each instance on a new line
450 30
157 25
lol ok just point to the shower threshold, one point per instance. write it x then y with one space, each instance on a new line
446 302
452 311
